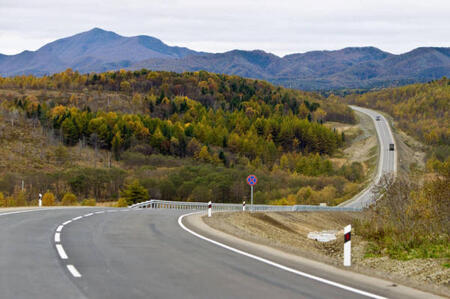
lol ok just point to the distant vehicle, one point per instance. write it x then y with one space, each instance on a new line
391 146
378 118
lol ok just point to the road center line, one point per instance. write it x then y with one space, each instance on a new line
61 252
57 238
73 271
77 218
271 263
59 229
67 222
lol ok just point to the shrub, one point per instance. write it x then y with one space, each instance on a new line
20 199
122 202
2 200
89 202
48 199
11 201
69 199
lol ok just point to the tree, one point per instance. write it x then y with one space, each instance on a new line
203 154
134 193
116 145
70 132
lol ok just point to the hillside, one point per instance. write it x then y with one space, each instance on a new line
355 67
421 110
190 136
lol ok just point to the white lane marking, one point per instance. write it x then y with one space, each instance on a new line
269 262
126 210
61 252
27 211
57 238
77 218
112 211
59 228
99 212
67 222
90 214
73 271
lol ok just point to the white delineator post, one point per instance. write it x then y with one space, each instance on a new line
209 208
347 246
40 200
243 206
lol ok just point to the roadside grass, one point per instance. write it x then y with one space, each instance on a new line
435 249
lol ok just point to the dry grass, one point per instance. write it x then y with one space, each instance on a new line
287 231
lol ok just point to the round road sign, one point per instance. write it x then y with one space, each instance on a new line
252 180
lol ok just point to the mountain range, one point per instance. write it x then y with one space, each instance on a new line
98 50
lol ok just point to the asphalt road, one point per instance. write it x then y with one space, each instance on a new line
133 254
387 163
144 253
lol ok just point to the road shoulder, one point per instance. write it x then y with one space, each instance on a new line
350 278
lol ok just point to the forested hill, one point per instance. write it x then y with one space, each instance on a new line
422 110
191 114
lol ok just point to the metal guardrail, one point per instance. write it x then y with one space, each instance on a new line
183 205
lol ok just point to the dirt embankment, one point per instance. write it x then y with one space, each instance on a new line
288 231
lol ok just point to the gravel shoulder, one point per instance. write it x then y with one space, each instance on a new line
287 231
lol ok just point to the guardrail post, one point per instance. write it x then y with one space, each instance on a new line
243 206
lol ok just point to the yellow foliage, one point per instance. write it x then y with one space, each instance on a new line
122 202
69 199
89 202
48 199
2 200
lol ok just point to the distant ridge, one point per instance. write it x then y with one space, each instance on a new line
95 50
98 50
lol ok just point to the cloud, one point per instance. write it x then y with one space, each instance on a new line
280 26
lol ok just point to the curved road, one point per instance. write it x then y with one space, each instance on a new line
123 253
387 163
144 253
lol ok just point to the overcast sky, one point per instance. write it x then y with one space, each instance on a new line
277 26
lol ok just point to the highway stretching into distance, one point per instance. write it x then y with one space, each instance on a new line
387 163
145 253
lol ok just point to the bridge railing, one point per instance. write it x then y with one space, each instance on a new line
183 205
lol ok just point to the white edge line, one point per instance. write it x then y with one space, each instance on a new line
77 218
269 262
90 214
26 211
57 237
59 228
67 222
61 252
73 271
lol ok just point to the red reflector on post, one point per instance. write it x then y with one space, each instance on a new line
347 237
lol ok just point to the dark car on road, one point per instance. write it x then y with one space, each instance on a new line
378 118
391 146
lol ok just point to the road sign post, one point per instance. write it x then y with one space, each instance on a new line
251 180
